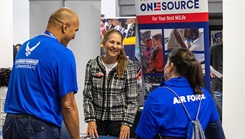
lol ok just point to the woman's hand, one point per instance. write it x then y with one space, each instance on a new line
124 132
92 130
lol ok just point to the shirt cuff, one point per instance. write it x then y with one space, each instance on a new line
127 124
90 120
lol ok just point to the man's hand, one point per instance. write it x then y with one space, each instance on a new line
124 132
212 75
150 68
92 130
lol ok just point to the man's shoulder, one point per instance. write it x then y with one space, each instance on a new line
216 45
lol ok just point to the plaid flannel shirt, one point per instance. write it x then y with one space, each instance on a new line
106 97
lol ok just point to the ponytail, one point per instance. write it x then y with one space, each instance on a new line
187 66
195 76
122 62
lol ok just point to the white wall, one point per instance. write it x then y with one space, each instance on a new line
14 29
6 33
108 8
20 20
234 69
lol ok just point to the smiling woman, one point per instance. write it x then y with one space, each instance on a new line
110 101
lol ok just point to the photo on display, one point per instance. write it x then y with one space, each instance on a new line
152 51
190 38
152 58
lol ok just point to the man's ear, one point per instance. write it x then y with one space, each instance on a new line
64 28
159 42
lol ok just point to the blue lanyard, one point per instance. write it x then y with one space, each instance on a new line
50 35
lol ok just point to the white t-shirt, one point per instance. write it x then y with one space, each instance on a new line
109 67
172 42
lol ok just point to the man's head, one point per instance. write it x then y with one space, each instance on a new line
63 24
157 41
146 38
115 22
17 46
192 34
129 20
109 21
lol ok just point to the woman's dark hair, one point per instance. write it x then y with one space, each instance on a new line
122 59
187 66
4 76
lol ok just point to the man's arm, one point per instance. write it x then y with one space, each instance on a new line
70 115
179 38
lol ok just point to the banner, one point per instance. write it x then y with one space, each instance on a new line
167 24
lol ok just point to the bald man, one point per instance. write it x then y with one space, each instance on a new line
43 83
